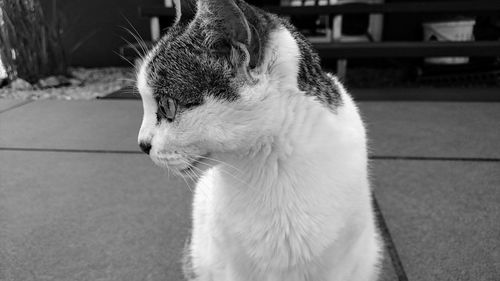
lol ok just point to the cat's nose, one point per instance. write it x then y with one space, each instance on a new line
145 147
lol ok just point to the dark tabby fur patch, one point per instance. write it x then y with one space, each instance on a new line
312 79
185 71
184 68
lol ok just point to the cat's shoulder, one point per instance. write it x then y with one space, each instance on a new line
312 79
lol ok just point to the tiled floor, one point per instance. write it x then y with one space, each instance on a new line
443 217
79 202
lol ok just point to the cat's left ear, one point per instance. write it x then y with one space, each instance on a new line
185 10
228 30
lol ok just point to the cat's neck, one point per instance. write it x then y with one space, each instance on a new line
304 135
298 124
298 146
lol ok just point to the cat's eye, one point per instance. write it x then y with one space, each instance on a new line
168 108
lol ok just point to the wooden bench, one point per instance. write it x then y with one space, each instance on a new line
340 50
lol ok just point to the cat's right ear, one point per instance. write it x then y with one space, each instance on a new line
185 10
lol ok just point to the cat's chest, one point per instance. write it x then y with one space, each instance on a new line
274 228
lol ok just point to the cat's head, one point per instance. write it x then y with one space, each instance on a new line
199 87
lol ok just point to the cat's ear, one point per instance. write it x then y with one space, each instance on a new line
185 10
227 30
227 18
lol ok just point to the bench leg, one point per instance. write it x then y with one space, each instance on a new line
341 69
155 28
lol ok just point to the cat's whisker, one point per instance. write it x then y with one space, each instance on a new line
140 53
129 80
137 36
226 173
193 176
166 172
220 162
186 181
130 83
200 188
125 59
142 44
131 91
134 93
128 91
133 46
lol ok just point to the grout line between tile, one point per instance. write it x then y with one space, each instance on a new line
94 151
425 158
373 157
389 243
16 106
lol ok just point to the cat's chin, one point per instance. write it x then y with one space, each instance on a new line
196 167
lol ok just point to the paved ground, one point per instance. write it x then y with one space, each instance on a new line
79 202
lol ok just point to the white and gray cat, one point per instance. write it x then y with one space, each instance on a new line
237 97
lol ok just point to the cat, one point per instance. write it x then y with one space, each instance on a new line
236 97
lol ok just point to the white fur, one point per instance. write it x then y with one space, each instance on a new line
289 198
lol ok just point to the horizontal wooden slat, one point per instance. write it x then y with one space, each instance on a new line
474 7
409 49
